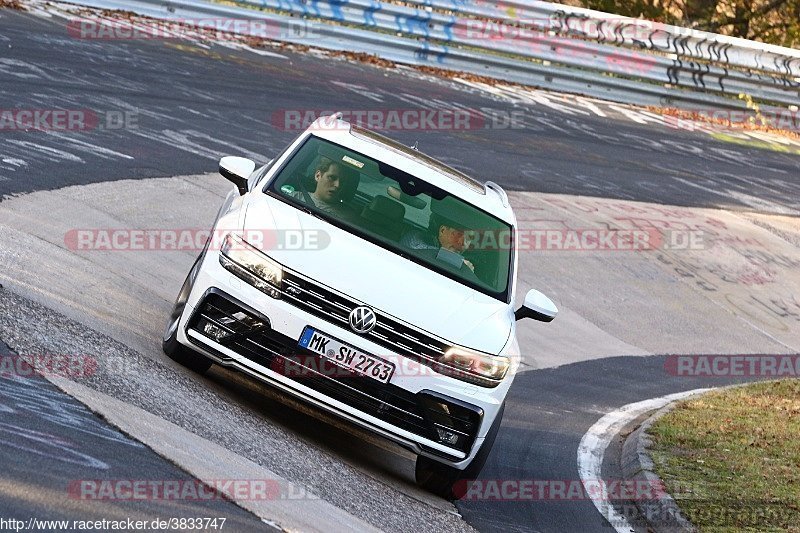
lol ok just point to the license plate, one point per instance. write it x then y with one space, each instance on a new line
345 355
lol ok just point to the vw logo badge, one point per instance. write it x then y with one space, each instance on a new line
362 319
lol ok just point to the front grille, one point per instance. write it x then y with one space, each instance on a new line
426 414
334 307
389 332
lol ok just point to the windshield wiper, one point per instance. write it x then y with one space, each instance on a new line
302 206
305 209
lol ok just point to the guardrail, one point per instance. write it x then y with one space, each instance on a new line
606 27
535 43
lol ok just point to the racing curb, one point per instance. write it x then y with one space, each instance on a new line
661 512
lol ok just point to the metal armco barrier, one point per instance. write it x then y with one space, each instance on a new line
536 43
488 36
638 33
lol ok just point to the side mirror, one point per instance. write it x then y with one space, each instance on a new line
237 170
537 306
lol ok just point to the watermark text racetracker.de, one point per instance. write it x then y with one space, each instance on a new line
526 240
515 23
189 239
216 28
66 120
399 119
70 366
586 239
779 119
538 37
727 366
487 118
263 489
515 490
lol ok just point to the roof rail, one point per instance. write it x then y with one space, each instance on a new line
326 121
490 185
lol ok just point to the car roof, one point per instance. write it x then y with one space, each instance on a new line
488 196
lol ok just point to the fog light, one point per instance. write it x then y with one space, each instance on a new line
447 437
214 331
242 318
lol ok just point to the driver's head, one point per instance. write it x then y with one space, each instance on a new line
449 235
452 239
329 178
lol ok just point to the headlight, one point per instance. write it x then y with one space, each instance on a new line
251 265
478 363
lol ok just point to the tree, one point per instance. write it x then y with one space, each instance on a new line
770 21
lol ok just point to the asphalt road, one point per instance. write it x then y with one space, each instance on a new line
189 105
548 413
112 306
192 105
61 462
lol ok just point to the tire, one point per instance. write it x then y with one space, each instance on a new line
169 343
451 483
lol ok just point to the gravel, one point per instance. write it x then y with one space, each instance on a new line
30 328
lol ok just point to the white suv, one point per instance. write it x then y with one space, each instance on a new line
372 281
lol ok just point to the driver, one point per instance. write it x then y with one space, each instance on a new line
442 236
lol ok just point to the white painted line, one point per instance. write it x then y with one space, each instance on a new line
595 442
766 137
585 102
236 45
517 95
479 85
14 162
541 99
94 149
262 52
628 113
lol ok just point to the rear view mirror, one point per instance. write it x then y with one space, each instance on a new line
537 306
237 170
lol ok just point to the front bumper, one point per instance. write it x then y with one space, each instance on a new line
411 409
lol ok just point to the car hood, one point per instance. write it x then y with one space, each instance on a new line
380 278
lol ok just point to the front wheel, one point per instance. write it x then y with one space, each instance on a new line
169 342
449 482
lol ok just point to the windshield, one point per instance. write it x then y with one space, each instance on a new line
399 212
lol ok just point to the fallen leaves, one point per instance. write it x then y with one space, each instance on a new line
12 4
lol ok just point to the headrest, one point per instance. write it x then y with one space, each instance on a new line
453 213
384 209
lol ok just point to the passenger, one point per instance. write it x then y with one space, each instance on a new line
329 182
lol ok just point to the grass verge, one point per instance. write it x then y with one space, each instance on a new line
731 458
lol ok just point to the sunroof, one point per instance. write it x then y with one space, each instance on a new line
427 160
